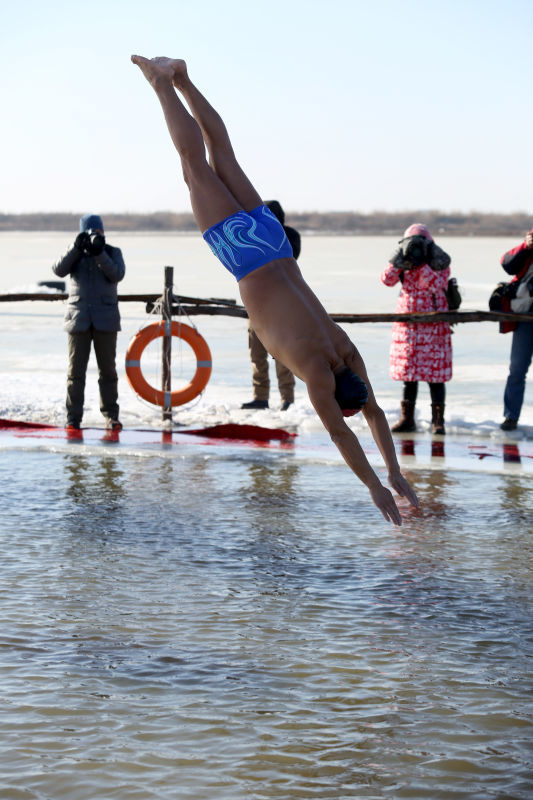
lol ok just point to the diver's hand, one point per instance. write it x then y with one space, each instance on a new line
384 500
403 487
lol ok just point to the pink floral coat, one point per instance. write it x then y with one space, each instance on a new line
420 352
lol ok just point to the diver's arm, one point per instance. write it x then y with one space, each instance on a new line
379 427
327 408
380 430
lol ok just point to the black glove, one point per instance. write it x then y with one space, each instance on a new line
83 242
97 244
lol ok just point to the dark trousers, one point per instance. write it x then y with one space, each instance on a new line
79 350
436 390
521 354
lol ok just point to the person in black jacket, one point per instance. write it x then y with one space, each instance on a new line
258 353
92 316
519 262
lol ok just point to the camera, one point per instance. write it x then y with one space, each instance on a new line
415 250
97 241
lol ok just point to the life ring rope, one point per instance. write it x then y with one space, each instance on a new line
138 382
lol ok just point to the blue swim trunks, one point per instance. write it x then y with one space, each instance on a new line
247 240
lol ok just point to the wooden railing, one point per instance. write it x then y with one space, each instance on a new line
190 306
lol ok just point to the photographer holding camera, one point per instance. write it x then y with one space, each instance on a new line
420 351
92 315
519 263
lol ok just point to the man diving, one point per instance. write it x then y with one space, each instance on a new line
287 316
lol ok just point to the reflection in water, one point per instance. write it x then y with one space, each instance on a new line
435 502
271 510
516 499
407 448
516 491
74 436
111 437
437 448
270 498
271 484
253 624
508 453
431 492
94 480
97 489
511 454
108 436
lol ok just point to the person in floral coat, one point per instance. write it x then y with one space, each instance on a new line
420 351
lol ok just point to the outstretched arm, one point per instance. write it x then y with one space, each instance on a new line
381 434
380 430
321 388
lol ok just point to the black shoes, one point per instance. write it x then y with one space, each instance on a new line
509 424
261 404
256 404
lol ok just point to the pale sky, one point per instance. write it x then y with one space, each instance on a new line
356 105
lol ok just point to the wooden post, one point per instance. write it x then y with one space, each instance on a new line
166 310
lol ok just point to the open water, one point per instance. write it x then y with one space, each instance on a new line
238 622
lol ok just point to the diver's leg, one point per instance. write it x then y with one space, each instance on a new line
211 199
221 155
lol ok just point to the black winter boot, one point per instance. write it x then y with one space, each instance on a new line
407 420
256 404
437 419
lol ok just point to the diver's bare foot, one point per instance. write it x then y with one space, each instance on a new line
155 70
180 72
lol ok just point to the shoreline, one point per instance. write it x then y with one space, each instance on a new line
332 223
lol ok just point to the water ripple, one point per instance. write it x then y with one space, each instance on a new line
248 629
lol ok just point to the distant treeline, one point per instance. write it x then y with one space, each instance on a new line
338 223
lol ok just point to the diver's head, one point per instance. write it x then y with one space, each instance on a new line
350 392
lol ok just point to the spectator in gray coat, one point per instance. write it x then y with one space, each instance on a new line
92 315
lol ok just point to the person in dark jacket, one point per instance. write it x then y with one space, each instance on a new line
92 316
258 353
519 262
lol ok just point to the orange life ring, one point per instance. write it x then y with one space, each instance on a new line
137 380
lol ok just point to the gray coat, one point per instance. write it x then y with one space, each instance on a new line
93 289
